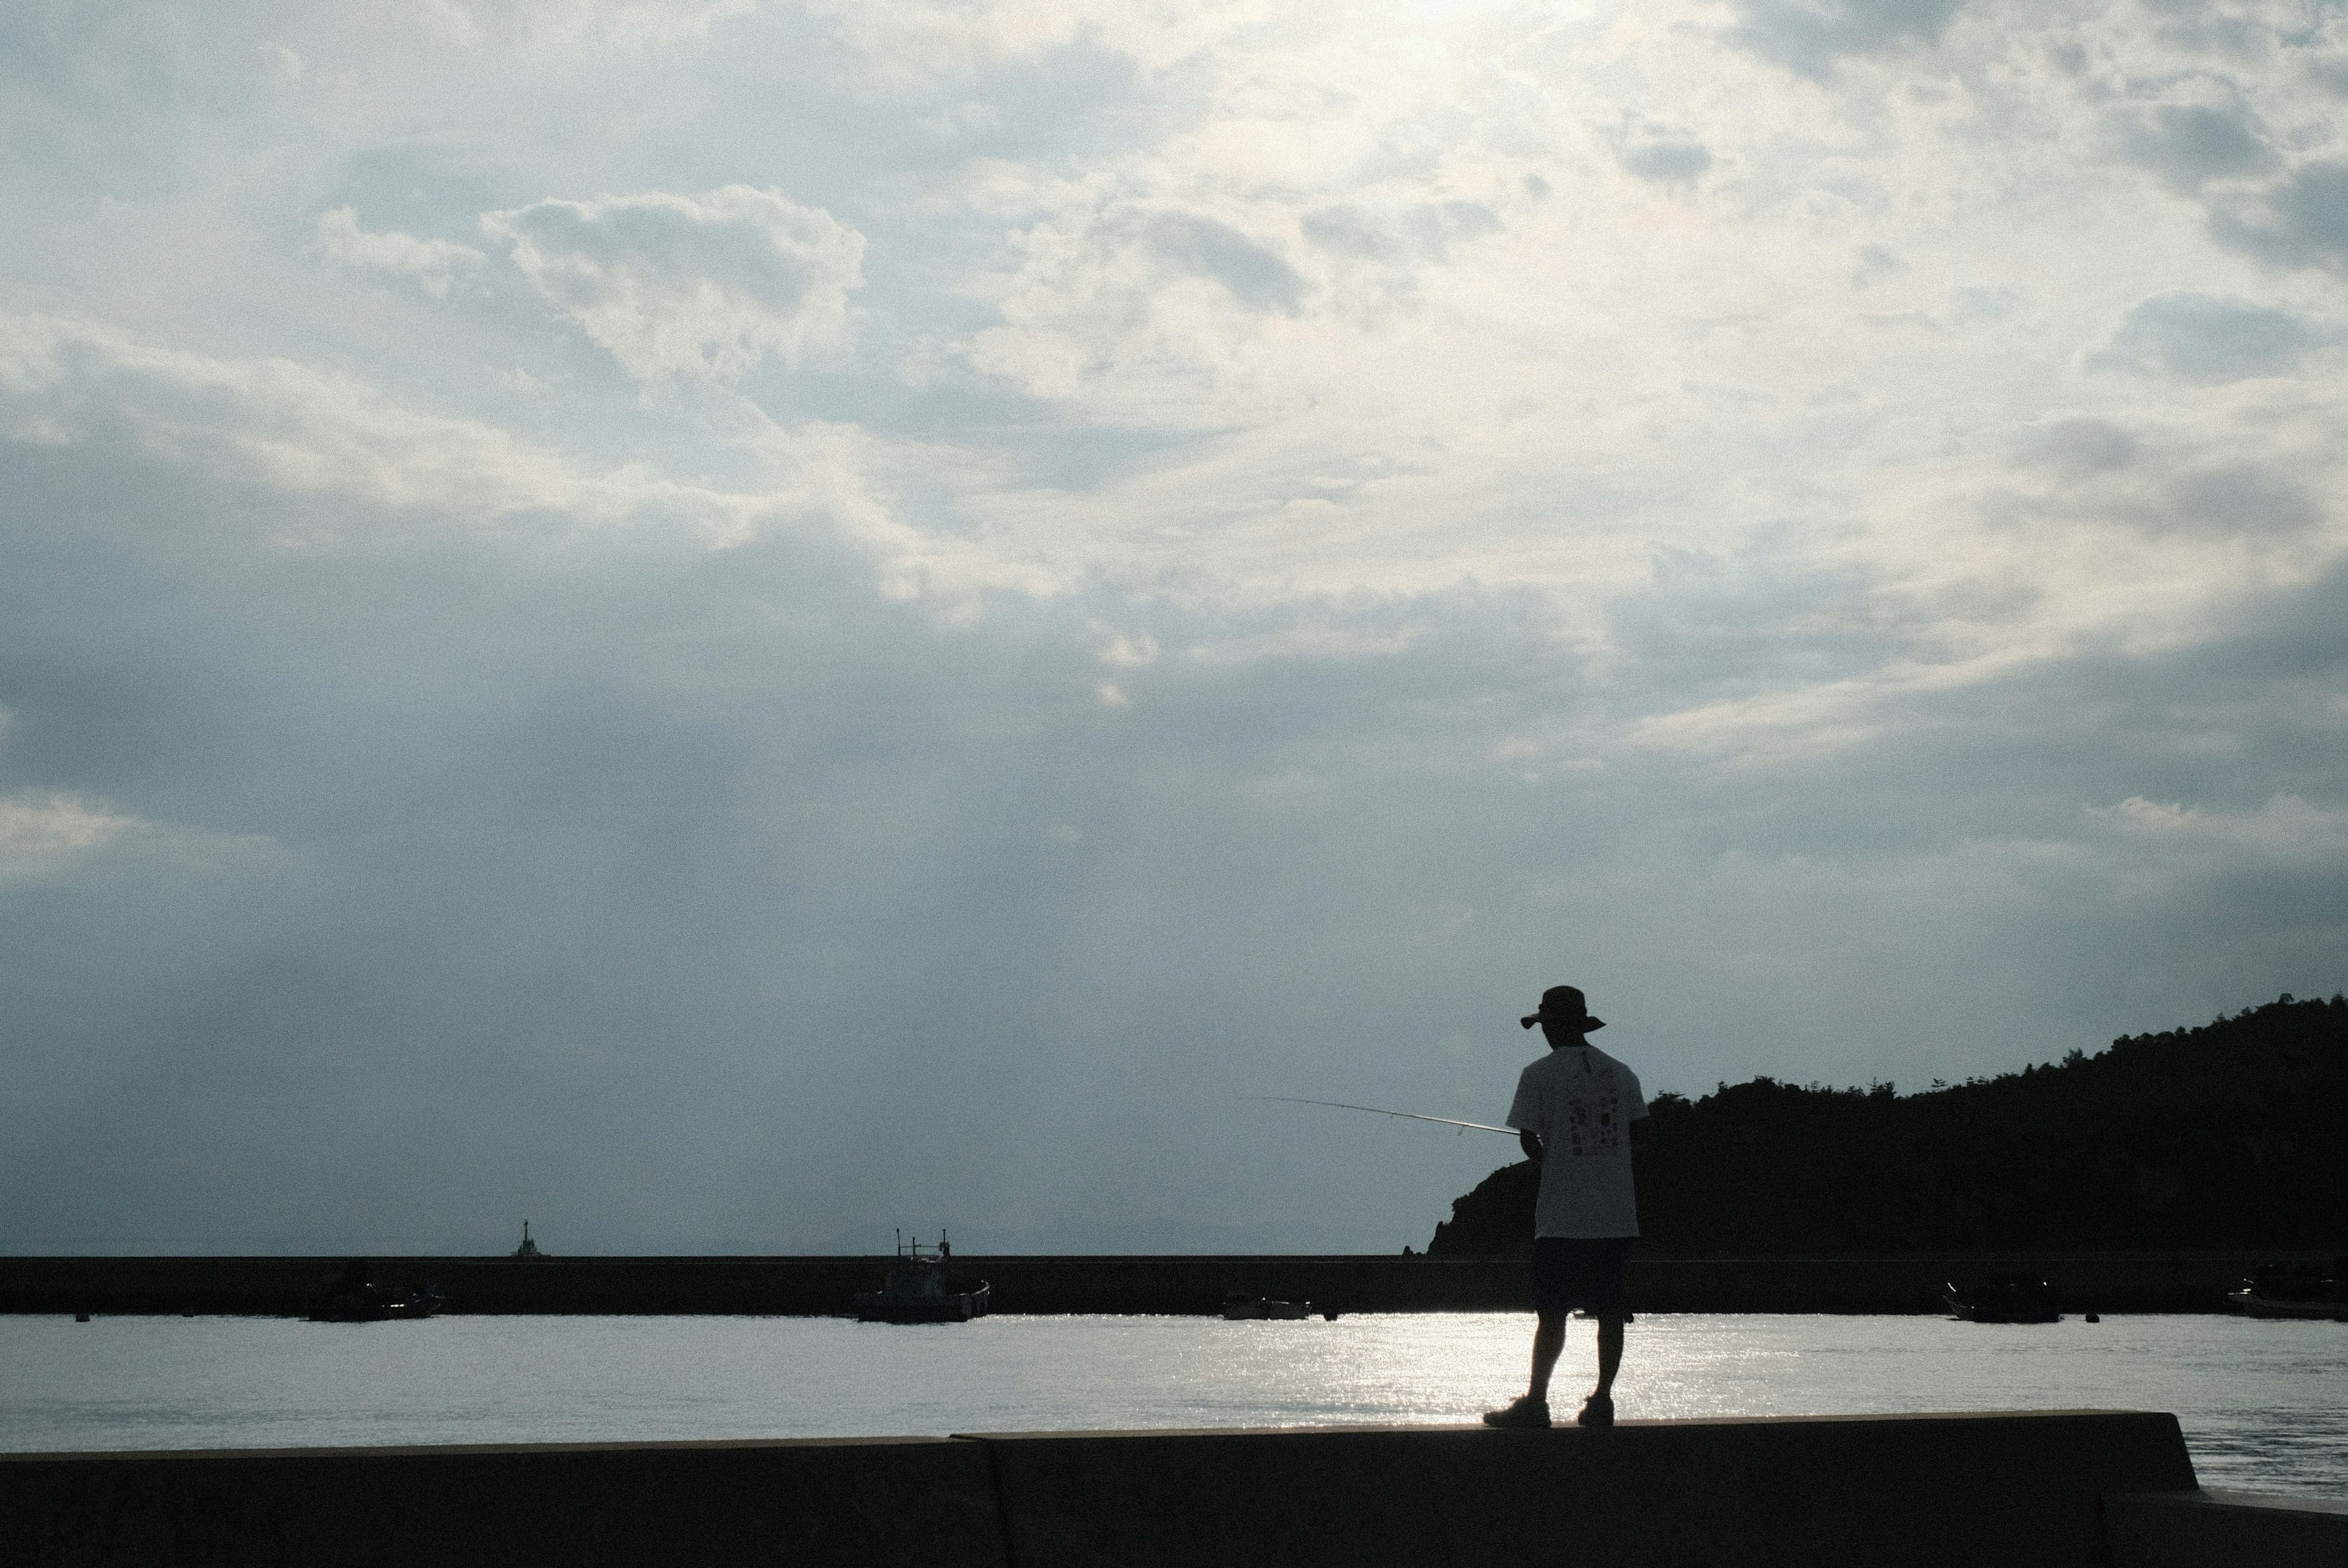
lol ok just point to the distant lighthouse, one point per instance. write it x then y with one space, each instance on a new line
528 1249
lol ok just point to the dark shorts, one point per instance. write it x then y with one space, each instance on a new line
1574 1273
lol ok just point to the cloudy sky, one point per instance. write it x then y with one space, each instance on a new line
730 623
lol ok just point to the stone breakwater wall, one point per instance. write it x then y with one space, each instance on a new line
2051 1490
815 1285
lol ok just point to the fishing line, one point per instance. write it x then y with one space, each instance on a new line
1381 1111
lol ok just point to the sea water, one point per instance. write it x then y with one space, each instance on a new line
2264 1405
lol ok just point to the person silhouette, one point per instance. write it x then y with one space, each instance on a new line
1577 1113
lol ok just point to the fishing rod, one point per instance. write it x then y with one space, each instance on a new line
1381 1111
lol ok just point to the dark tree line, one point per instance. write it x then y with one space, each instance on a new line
2233 1135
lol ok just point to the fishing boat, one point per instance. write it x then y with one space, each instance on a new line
2291 1290
917 1290
1241 1308
352 1294
2004 1298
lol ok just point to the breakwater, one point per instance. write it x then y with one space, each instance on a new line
1981 1491
816 1285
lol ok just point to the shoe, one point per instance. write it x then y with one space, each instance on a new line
1598 1411
1525 1412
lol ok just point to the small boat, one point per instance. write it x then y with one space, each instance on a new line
352 1294
917 1290
2291 1290
2004 1298
2251 1303
1241 1308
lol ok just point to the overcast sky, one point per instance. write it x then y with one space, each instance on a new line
730 624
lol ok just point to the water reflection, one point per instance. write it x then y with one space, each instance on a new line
2264 1405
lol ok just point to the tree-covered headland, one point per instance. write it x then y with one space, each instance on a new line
2231 1136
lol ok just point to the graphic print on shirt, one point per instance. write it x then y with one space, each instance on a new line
1592 1120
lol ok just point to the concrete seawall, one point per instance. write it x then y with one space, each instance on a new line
807 1286
1978 1491
2226 1530
926 1500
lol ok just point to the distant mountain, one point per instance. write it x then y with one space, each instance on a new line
2231 1136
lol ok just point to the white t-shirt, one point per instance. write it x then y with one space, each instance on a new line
1580 1101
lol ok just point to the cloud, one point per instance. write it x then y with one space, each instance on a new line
2198 866
1809 36
1658 154
2172 494
2188 145
39 834
1419 232
433 263
1132 305
2078 449
2286 829
926 45
1875 264
2207 339
2237 499
2300 221
1254 274
296 434
292 428
692 287
50 837
1666 162
567 24
1121 652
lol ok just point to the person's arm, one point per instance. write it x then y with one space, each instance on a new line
1524 1115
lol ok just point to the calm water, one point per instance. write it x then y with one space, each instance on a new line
2264 1405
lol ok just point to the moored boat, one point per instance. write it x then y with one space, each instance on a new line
917 1290
1241 1308
2004 1298
352 1294
2292 1290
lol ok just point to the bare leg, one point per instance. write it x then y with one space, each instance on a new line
1610 1355
1548 1339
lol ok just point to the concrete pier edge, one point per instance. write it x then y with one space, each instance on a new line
2218 1528
2058 1487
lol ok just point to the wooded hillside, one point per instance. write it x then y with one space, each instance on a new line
2231 1136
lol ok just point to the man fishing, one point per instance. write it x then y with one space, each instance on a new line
1578 1114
